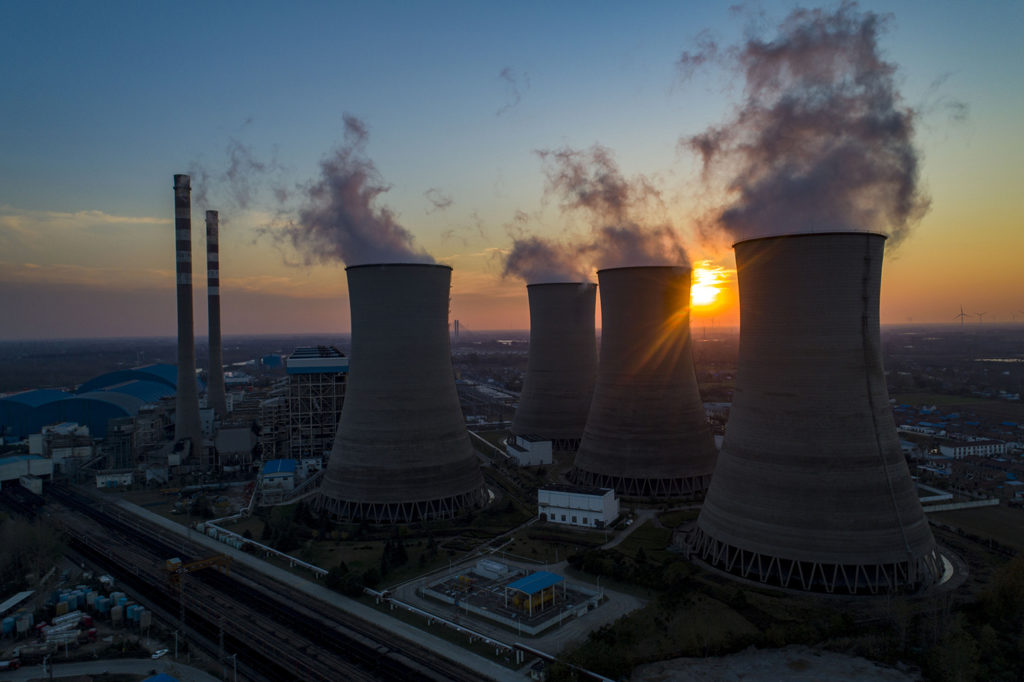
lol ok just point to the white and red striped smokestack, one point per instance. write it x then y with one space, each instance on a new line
186 425
215 383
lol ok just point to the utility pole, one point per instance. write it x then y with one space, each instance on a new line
220 651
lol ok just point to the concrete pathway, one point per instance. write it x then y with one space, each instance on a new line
642 517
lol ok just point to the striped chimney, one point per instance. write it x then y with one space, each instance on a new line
187 425
215 383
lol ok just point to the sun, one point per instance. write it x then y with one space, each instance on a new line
706 288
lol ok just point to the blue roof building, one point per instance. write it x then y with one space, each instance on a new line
108 396
538 588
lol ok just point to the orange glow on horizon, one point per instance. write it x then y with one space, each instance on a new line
708 281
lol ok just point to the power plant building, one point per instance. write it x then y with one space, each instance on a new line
575 505
811 490
316 393
561 366
647 434
402 451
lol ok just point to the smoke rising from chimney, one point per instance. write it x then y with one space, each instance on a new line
618 209
341 221
822 141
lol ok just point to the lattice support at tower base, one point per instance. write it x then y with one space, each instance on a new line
814 576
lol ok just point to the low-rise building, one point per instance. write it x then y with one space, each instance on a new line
279 473
114 479
12 468
528 450
575 505
958 449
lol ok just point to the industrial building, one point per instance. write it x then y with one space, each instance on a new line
113 395
402 451
15 467
647 434
561 365
316 393
68 445
958 449
529 449
811 490
575 505
278 473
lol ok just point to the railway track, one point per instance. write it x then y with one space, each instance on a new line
282 632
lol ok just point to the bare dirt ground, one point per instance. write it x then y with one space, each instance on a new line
788 663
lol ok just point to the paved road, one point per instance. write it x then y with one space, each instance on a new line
140 666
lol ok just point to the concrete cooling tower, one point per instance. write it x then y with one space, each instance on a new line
562 364
811 490
215 385
402 451
646 433
186 424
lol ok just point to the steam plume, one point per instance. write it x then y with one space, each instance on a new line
542 261
822 142
619 209
341 221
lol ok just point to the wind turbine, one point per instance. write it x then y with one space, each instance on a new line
980 315
962 315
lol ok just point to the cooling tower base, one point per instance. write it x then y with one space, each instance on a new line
642 487
565 445
812 576
403 512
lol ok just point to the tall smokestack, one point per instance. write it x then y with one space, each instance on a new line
646 434
402 451
562 364
215 384
811 490
186 425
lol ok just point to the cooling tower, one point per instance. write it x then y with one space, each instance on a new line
402 451
561 366
646 433
811 490
215 385
186 425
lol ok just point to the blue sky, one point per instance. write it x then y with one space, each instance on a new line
103 102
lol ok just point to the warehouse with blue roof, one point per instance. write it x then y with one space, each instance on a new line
108 396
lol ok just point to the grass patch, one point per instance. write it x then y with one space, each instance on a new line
700 626
1003 524
674 519
652 539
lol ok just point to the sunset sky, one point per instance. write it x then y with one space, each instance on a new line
103 102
